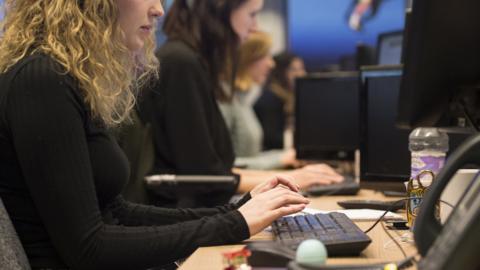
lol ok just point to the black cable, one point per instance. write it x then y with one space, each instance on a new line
393 205
386 211
447 203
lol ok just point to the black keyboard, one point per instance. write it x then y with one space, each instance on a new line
347 187
339 234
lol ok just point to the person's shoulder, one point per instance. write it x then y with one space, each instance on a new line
38 69
39 82
176 47
177 52
40 75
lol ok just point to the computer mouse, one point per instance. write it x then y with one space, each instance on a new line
269 254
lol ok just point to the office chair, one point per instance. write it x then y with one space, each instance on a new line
12 254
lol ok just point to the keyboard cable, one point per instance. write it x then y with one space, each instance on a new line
393 205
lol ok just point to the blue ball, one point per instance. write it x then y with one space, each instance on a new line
311 253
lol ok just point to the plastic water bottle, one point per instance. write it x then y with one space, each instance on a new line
428 147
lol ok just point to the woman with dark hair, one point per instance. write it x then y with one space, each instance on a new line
69 72
190 134
275 107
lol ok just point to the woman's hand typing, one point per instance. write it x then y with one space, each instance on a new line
283 180
271 204
309 175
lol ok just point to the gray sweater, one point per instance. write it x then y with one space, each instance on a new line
246 132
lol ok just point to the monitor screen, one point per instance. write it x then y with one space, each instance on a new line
389 48
384 153
326 116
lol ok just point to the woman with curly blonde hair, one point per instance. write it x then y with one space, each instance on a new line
69 70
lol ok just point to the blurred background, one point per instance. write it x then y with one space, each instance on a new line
320 31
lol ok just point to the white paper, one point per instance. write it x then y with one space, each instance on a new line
356 214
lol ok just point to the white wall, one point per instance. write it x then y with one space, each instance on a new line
273 20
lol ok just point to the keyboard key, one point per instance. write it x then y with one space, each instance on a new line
313 222
326 221
303 224
292 224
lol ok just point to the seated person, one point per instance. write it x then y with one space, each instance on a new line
275 107
69 71
253 69
190 134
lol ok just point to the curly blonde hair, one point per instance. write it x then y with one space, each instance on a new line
87 41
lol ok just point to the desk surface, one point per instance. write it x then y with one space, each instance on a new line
382 249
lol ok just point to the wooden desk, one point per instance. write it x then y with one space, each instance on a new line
382 249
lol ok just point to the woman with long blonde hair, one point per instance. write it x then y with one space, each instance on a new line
69 71
253 68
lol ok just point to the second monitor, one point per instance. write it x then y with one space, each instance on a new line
326 116
385 156
384 147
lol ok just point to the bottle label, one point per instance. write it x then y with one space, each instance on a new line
423 160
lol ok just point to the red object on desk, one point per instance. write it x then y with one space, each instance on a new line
235 259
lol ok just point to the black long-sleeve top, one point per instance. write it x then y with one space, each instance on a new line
61 174
190 134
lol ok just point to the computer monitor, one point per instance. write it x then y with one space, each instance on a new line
442 64
384 153
326 116
440 88
389 48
